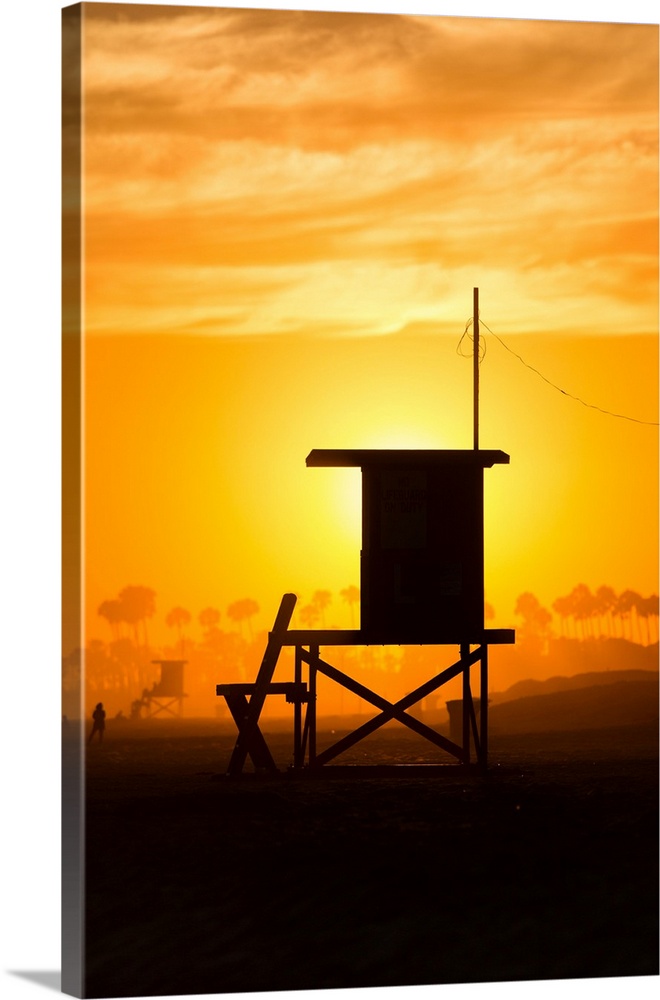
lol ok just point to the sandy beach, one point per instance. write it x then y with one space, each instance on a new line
545 867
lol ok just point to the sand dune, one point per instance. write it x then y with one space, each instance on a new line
601 705
525 688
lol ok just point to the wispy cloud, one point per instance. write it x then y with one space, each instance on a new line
333 155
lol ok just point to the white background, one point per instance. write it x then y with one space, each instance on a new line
30 461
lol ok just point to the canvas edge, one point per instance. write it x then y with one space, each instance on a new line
72 749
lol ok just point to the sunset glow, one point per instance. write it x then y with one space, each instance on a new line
285 216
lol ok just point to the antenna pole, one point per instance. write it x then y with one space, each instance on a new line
475 367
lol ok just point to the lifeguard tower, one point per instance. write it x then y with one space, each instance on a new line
167 694
422 583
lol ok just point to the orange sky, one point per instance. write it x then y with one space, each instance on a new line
285 215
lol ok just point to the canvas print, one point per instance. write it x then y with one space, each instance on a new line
360 500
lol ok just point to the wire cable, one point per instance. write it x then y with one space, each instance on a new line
469 354
564 392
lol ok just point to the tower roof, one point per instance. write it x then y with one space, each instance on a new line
369 457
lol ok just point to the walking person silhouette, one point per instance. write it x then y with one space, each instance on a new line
99 723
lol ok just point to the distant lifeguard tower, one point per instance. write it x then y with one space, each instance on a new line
167 694
422 583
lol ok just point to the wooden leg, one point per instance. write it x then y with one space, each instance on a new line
483 692
465 651
257 747
297 714
305 734
311 708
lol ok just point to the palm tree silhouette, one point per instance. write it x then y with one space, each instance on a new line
137 604
250 609
605 603
626 605
177 618
652 608
321 599
643 615
562 606
309 615
580 602
235 612
352 596
536 619
209 618
112 612
243 610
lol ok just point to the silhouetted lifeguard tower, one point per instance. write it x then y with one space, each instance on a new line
422 583
167 694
